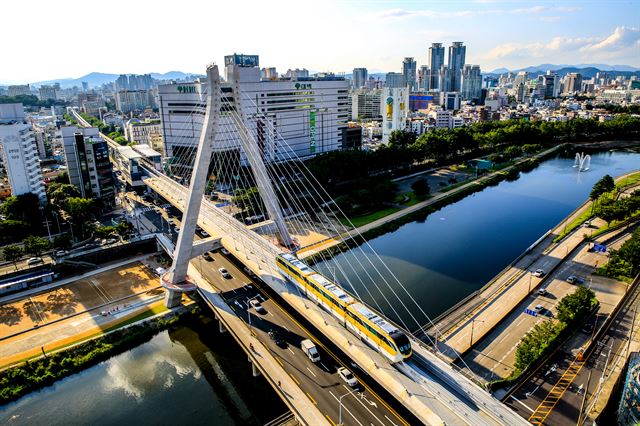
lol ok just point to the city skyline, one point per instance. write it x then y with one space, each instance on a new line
512 36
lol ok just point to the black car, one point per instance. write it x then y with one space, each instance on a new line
207 257
277 338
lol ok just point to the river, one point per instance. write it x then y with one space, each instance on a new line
453 252
191 375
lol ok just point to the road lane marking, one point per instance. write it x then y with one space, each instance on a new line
361 403
311 398
289 349
390 421
312 373
294 378
329 418
279 362
521 403
324 366
346 409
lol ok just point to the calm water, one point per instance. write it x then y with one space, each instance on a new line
459 248
178 377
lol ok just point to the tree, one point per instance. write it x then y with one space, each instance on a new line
58 192
123 228
12 253
62 178
80 210
420 187
13 230
249 201
401 138
604 185
576 306
104 231
25 208
35 245
62 242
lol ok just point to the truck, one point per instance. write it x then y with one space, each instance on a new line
310 350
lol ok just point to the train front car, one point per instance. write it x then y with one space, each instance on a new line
402 343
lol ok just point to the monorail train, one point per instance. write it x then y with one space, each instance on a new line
355 316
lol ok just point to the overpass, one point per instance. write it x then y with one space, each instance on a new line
429 388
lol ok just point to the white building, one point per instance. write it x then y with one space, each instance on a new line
20 152
395 110
366 105
309 114
134 100
443 119
142 132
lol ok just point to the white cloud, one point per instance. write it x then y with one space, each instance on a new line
618 44
397 13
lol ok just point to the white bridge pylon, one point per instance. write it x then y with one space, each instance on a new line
175 280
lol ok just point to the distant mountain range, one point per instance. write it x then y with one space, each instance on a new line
587 70
98 78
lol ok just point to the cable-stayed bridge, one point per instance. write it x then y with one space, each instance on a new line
292 211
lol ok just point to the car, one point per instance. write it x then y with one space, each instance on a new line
60 253
34 261
224 251
542 291
588 328
255 304
224 273
347 376
539 308
111 241
207 257
277 338
177 228
539 273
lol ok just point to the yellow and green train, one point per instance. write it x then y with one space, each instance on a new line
355 316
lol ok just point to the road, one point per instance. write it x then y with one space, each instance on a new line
494 356
610 350
321 383
21 265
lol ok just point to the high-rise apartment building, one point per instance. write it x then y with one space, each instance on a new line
423 78
409 73
471 83
457 55
18 89
395 105
360 77
88 164
134 100
19 152
394 79
444 79
365 105
309 114
46 92
436 61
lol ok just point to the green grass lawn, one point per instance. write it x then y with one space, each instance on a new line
368 218
629 180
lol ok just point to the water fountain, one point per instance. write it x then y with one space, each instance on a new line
582 162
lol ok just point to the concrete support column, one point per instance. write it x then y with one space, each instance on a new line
254 370
172 298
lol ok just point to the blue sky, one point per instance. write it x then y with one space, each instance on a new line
139 36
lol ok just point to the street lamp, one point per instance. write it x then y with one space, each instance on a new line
530 275
340 408
472 323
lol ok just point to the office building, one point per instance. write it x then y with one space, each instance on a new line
450 101
409 73
436 61
394 80
573 83
471 83
360 77
88 165
19 152
365 105
134 100
308 114
18 89
550 83
395 110
457 55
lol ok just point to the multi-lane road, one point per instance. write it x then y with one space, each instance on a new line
361 405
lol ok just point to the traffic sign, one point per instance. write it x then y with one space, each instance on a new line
531 312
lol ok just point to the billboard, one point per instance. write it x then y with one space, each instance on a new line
312 132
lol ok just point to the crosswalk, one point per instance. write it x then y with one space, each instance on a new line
555 394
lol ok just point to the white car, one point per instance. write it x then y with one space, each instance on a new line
224 251
224 273
255 304
347 376
539 308
538 273
34 261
